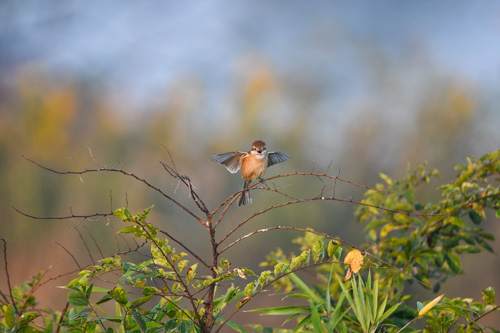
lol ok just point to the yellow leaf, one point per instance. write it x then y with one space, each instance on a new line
429 306
355 259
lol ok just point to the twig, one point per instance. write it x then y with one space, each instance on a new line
72 256
126 173
62 317
7 274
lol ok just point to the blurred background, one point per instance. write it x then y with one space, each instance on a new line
369 86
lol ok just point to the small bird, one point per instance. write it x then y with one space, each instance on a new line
253 165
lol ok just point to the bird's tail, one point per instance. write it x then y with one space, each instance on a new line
245 195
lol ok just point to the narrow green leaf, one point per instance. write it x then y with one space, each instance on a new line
234 326
389 312
302 286
327 297
381 309
375 299
316 320
336 316
283 310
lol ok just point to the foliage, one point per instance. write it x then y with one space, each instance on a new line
178 291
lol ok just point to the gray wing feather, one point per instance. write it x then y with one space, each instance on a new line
230 160
276 157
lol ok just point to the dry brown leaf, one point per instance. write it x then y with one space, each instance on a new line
355 259
348 274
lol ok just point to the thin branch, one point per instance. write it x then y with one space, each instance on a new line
72 256
62 317
95 241
86 246
296 201
496 307
326 176
7 273
84 217
186 248
92 155
126 173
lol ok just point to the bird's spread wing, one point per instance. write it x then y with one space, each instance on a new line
275 158
230 160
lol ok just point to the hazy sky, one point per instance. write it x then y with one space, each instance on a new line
143 46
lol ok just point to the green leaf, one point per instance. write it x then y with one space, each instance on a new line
489 295
315 319
10 316
389 312
264 277
486 235
226 264
140 301
122 213
332 247
26 318
84 313
234 326
104 299
119 295
483 244
249 289
145 213
420 306
317 250
191 272
453 262
278 269
182 264
77 298
139 320
302 286
475 217
283 310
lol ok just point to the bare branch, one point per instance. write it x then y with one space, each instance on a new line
84 217
186 248
92 155
126 173
7 273
72 256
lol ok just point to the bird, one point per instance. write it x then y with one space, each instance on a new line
253 164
